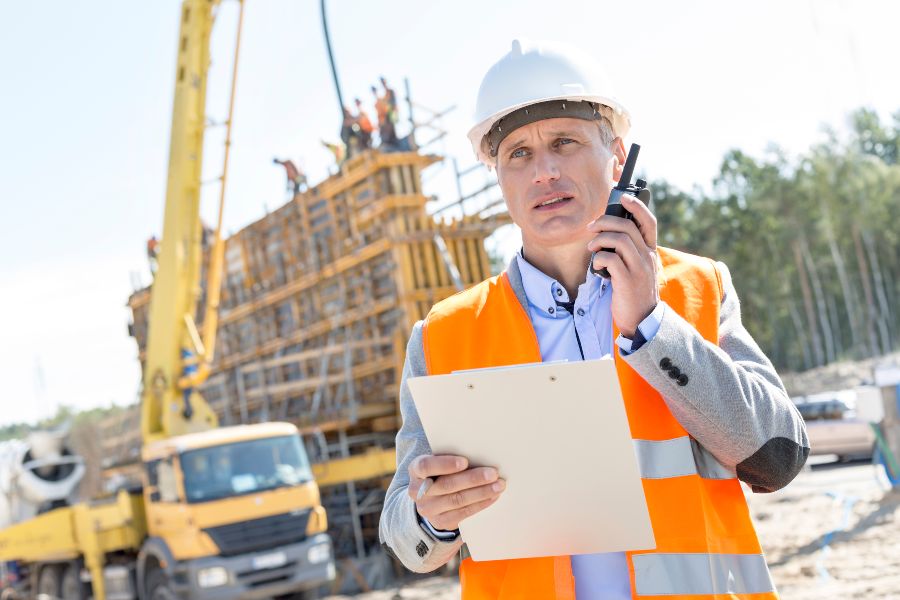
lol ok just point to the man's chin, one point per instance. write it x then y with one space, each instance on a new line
559 237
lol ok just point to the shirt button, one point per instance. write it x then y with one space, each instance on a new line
559 292
551 310
580 312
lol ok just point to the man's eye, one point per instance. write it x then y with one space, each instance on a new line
518 153
562 141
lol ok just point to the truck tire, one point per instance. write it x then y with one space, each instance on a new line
158 586
49 582
71 586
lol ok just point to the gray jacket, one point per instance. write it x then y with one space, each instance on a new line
733 404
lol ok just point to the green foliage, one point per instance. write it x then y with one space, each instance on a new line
812 243
65 415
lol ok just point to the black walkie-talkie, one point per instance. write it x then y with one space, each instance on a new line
614 206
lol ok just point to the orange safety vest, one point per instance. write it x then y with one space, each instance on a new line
707 548
364 123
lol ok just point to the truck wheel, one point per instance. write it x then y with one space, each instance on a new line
49 582
71 586
158 586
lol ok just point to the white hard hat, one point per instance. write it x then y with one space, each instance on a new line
537 74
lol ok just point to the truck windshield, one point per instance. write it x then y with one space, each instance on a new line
244 468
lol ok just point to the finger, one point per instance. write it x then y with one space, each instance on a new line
436 506
596 224
612 262
470 478
433 466
622 244
643 218
613 223
451 520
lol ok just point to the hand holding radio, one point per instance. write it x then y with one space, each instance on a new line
624 250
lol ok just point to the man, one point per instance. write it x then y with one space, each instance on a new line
365 125
338 151
386 131
705 406
153 254
350 133
296 179
390 97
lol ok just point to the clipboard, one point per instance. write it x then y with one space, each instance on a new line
559 436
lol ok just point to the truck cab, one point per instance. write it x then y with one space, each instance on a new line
232 512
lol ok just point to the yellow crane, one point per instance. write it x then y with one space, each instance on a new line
222 510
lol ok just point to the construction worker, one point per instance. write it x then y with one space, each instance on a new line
349 133
391 99
153 254
365 125
706 408
338 150
296 179
386 131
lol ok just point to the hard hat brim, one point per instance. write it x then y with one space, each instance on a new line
621 121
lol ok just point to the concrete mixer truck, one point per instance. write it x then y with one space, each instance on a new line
36 475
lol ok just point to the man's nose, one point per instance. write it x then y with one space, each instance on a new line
546 169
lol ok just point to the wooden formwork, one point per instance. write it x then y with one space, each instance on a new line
318 299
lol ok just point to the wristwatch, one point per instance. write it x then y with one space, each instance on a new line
438 534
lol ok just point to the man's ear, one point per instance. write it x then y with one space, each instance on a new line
617 149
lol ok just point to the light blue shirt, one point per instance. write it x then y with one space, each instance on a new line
583 335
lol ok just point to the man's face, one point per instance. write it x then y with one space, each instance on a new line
556 176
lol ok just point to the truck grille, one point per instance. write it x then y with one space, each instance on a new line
260 534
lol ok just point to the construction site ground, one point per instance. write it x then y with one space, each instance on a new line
833 533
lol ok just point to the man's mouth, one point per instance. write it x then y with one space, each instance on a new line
558 199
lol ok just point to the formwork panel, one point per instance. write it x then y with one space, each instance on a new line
318 299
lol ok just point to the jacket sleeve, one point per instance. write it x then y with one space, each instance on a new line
399 529
730 399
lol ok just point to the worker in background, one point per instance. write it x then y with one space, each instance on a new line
704 404
153 253
385 107
391 99
365 125
338 151
207 235
350 133
296 178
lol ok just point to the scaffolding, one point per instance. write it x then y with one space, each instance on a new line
318 300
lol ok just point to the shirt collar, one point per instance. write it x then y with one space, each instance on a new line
543 291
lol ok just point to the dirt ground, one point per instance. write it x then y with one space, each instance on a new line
833 533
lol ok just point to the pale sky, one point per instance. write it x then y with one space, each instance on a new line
86 96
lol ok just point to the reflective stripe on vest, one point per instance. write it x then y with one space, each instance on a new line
701 574
676 458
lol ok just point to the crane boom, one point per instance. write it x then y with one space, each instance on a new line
174 347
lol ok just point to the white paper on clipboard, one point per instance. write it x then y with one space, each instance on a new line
559 436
